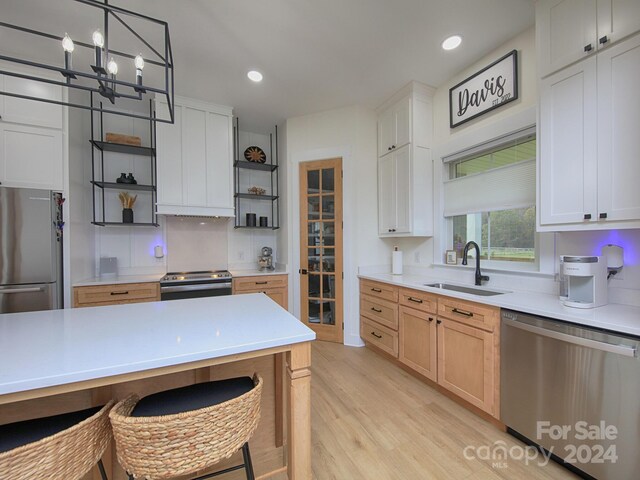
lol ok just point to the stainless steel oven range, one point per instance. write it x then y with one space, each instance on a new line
181 285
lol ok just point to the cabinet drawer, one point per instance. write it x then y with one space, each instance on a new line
379 310
476 315
379 290
117 293
425 302
380 336
259 283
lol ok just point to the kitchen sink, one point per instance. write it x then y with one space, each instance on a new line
483 292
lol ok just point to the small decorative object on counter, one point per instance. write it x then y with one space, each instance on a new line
264 222
131 179
127 201
123 139
451 257
265 260
396 262
256 191
251 219
255 154
122 178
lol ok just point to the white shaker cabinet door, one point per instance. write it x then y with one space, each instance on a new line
617 19
386 195
568 146
219 166
169 158
566 32
618 130
403 189
386 132
31 112
402 114
194 156
31 157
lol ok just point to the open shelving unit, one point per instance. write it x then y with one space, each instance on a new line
100 150
267 174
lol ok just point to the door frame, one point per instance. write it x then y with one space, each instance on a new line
351 307
335 164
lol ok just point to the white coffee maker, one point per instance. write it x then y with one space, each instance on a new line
586 281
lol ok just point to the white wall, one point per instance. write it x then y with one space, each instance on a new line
349 133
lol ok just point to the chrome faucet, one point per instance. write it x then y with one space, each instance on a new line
479 277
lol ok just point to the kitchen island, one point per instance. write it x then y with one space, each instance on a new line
63 359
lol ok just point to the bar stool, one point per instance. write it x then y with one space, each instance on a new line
181 431
62 446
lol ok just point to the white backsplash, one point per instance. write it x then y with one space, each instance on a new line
196 243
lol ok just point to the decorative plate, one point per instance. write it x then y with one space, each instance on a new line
255 154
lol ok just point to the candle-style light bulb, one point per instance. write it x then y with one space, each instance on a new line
67 43
112 67
139 62
98 38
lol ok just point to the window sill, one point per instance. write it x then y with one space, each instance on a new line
496 269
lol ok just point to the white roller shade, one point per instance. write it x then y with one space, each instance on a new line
512 186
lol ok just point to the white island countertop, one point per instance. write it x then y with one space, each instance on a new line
613 317
58 347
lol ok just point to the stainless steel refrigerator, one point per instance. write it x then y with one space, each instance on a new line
30 250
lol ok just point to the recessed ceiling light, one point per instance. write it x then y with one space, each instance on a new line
254 76
452 42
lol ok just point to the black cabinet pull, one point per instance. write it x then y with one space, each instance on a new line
302 271
376 335
377 310
462 312
392 230
126 292
389 148
603 40
416 300
587 216
603 215
261 283
430 319
377 290
439 322
588 48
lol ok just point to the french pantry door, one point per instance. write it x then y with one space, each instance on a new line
321 275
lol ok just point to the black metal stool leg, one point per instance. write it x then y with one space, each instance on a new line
246 455
103 474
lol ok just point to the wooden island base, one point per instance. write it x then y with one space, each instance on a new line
268 453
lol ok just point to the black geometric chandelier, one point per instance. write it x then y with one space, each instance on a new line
101 75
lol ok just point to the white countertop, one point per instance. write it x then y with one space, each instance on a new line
256 272
118 279
614 317
56 347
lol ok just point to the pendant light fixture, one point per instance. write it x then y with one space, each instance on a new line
102 76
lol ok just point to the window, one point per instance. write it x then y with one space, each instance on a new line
490 198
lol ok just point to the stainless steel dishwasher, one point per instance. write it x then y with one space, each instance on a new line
573 390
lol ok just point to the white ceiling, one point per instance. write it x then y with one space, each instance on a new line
315 55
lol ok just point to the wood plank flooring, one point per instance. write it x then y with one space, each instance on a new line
372 420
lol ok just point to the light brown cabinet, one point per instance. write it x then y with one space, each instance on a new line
115 294
274 286
379 316
452 342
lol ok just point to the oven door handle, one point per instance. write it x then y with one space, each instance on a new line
192 288
623 350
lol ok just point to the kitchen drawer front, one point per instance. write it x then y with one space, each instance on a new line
381 311
115 294
380 336
469 313
425 302
379 290
259 283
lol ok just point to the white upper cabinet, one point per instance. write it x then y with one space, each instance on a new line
31 136
569 30
195 169
588 132
405 167
394 127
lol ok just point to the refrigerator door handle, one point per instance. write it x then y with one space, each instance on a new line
21 290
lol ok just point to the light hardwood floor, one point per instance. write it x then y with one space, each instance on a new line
372 420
